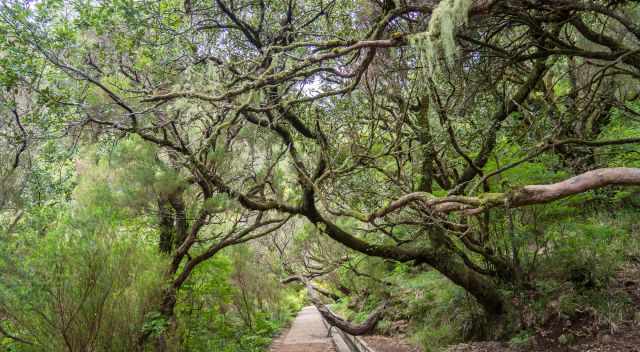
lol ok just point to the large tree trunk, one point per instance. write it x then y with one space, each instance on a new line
166 226
173 226
160 342
481 287
441 258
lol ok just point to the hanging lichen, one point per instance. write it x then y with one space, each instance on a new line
438 41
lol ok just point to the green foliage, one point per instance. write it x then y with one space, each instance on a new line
588 253
78 288
217 203
521 339
101 263
155 324
231 305
441 312
82 233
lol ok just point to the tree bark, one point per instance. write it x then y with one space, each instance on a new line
165 225
442 259
354 329
526 195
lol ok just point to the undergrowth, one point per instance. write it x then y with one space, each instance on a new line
570 276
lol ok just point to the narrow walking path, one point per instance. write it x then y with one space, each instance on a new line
307 334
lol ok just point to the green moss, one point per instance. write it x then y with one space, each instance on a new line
492 198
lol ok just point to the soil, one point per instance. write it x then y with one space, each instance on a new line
389 344
627 340
582 332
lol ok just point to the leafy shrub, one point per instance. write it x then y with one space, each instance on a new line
78 291
229 305
442 312
520 340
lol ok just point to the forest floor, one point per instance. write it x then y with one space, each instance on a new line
585 330
389 344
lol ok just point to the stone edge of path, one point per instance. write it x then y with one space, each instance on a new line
356 341
342 345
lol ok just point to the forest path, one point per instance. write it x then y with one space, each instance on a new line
307 334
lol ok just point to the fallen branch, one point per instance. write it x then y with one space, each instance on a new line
342 324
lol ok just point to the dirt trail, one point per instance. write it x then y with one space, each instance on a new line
307 334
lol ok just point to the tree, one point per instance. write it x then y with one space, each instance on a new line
326 111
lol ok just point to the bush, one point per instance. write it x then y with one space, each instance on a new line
442 312
79 291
